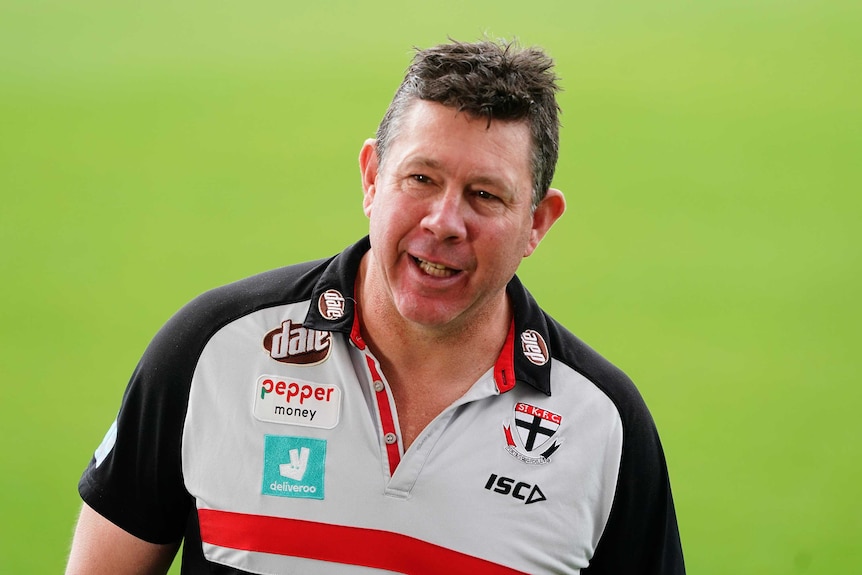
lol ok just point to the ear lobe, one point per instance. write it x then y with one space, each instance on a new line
368 165
547 212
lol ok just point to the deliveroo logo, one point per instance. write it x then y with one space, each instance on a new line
293 466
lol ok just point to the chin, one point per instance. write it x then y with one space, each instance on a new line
427 314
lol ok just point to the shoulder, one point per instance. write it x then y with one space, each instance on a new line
175 349
641 533
275 287
570 350
199 319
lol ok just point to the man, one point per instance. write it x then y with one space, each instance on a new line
405 406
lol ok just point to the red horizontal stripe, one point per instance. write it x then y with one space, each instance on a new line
339 544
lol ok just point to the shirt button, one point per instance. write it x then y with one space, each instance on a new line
378 386
390 438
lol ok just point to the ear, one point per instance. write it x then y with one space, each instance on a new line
547 212
368 169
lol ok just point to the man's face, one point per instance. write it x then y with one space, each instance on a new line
450 214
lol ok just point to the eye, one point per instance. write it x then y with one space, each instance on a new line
485 195
421 178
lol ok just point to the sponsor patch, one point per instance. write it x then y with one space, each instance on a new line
331 304
517 489
293 466
293 343
534 347
535 427
297 402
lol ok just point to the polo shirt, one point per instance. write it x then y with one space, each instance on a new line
260 428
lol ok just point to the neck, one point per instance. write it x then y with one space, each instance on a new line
428 367
460 351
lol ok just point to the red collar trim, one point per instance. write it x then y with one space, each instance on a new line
504 369
356 333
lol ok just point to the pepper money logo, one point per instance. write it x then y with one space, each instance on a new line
536 427
293 343
293 466
297 402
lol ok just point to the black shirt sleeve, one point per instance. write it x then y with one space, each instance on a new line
641 536
139 485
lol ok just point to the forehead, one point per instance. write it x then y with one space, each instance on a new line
443 137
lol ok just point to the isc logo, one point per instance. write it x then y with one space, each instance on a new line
517 489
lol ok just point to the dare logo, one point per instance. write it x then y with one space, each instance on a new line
331 304
293 343
534 347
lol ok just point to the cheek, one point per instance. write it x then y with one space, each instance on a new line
392 215
385 226
510 248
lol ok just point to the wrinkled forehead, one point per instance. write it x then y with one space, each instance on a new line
429 118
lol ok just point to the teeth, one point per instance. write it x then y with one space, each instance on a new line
433 265
436 270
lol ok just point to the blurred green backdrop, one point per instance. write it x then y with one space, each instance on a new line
711 160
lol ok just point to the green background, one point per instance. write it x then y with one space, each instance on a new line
711 248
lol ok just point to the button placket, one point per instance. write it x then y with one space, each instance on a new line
387 419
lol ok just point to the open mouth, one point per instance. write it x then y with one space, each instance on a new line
435 270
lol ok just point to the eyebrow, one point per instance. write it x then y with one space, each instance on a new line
423 161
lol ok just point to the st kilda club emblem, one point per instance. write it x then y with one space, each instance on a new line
536 428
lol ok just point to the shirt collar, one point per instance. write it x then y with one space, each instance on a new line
525 357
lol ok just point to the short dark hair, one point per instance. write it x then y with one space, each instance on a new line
497 81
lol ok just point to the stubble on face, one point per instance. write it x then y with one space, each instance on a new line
450 220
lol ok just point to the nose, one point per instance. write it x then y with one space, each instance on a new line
446 216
